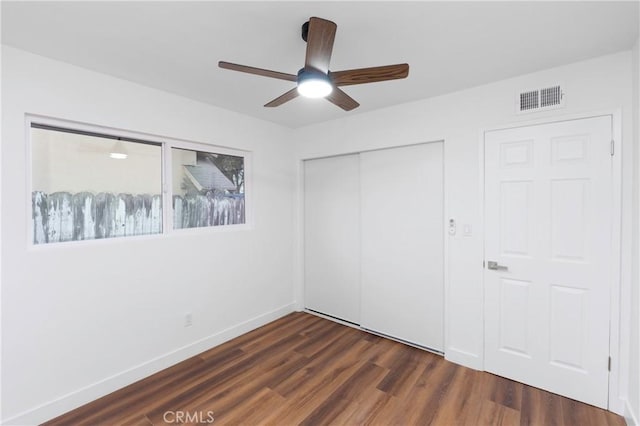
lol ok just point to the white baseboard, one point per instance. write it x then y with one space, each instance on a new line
79 397
630 416
464 358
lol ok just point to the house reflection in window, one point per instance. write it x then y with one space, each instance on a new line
208 189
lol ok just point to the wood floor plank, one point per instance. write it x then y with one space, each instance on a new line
385 412
289 324
479 394
138 421
365 378
404 370
367 408
296 327
342 417
320 339
493 414
234 399
540 407
463 400
315 388
386 354
422 406
259 403
303 369
506 392
227 379
576 413
332 359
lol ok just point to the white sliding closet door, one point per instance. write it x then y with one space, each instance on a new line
332 236
401 196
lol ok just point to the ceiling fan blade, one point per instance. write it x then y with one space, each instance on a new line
341 99
320 44
257 71
286 97
369 75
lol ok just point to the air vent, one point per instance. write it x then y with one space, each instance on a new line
529 100
550 96
540 99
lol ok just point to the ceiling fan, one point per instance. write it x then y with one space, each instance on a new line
315 80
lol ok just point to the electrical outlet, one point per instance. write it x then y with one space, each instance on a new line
188 319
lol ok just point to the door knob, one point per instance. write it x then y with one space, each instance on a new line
495 267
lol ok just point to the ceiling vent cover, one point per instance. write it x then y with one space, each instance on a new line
540 99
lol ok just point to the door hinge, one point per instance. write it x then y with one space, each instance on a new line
609 366
612 147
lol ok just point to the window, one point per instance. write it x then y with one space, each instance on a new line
88 185
208 189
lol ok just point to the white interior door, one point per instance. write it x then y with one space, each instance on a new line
548 221
402 243
332 236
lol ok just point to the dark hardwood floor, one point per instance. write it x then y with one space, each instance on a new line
302 369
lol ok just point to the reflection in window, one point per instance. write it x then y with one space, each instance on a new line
88 186
208 189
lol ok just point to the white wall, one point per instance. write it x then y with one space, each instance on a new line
82 319
598 85
633 407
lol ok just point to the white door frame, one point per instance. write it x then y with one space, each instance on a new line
616 403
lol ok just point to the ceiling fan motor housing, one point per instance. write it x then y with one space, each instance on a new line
307 73
313 83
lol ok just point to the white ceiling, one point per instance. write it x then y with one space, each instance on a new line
175 46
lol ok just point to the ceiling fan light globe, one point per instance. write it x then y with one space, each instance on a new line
314 88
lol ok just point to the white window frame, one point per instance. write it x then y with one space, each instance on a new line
167 192
166 144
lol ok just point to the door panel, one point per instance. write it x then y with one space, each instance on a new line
402 243
567 327
515 233
514 321
332 236
548 220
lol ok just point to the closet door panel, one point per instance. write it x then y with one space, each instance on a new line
332 237
401 214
